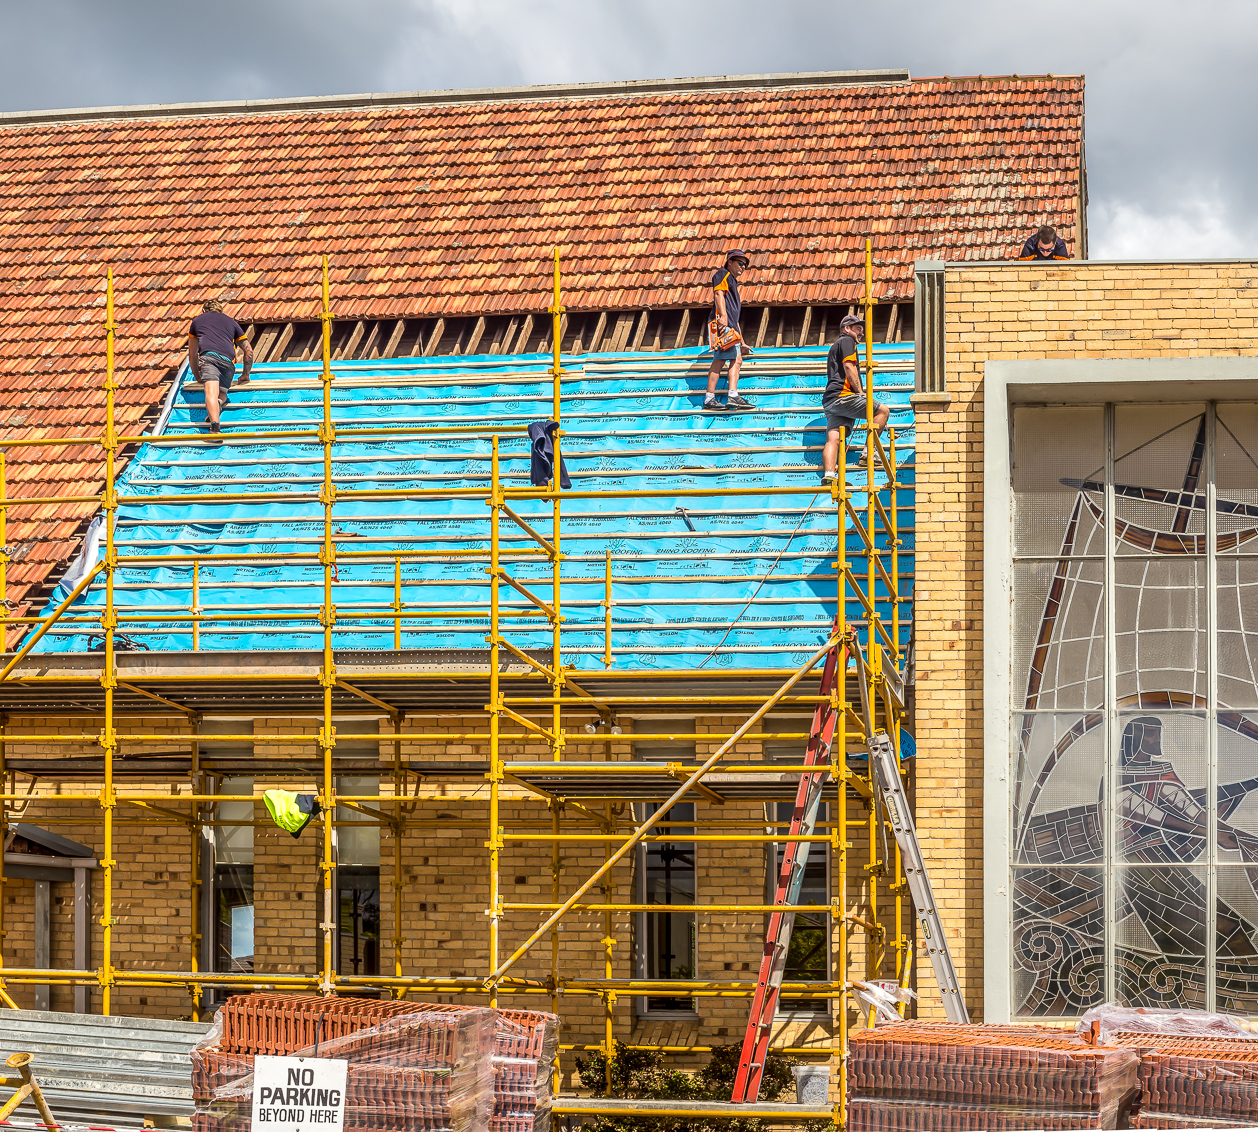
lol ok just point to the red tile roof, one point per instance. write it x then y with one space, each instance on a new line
453 209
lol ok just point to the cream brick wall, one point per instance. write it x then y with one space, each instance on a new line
1017 312
444 892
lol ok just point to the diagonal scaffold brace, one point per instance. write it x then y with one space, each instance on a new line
789 882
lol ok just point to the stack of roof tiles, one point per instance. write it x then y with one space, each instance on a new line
525 1046
1191 1081
940 1077
412 1066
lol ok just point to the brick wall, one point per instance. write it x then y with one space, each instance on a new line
444 892
1017 312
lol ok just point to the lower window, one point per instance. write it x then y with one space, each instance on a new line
667 946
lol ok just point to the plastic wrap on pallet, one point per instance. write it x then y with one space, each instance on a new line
923 1075
527 1033
521 1091
886 1115
1174 1120
1200 1077
1103 1023
423 1071
281 1024
1021 1066
526 1044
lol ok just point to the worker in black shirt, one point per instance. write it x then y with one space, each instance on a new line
213 339
725 334
1045 244
844 401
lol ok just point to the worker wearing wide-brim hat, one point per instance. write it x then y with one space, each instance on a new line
725 334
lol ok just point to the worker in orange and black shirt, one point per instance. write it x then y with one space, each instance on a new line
1045 244
844 401
727 305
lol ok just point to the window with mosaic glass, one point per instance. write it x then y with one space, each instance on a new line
1134 740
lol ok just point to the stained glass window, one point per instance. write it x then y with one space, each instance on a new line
1134 745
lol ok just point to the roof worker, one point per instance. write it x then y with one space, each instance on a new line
213 339
844 401
1045 244
725 335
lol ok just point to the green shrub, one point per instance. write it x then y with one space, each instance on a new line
638 1074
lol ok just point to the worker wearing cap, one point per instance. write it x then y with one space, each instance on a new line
727 305
1045 244
844 401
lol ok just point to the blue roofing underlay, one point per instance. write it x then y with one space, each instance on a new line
752 585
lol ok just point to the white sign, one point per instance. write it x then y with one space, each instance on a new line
298 1094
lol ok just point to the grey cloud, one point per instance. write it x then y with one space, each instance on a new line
1171 153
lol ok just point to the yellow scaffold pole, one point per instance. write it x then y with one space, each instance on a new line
838 831
197 783
109 676
399 830
327 674
556 663
495 843
4 818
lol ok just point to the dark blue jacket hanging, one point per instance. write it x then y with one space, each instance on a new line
542 464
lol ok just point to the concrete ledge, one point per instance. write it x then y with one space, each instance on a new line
930 402
440 97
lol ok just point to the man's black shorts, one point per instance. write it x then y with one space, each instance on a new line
216 368
845 411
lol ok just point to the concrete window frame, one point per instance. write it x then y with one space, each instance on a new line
1084 381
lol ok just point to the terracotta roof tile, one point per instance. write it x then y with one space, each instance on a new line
453 209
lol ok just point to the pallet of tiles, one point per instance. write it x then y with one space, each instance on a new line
525 1046
410 1069
919 1076
1192 1081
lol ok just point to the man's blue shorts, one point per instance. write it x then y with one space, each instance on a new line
727 355
215 367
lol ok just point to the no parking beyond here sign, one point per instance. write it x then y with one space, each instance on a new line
298 1094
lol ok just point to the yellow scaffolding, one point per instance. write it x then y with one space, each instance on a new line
877 678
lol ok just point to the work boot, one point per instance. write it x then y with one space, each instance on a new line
736 404
712 405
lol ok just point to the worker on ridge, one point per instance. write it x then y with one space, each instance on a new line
1045 244
725 334
843 401
212 341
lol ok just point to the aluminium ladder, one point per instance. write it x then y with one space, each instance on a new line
790 880
886 768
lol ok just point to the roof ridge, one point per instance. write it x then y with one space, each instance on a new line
457 96
1048 75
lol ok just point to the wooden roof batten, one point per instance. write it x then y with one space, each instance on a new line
644 330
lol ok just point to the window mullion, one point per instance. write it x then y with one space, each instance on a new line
1109 816
1212 704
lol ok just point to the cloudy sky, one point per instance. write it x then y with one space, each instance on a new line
1171 151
